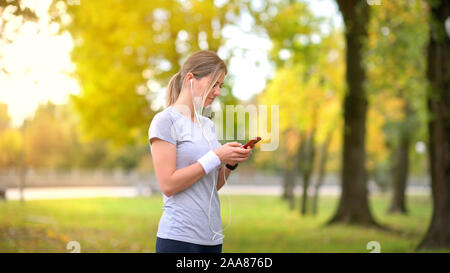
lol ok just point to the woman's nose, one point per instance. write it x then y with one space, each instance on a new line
216 91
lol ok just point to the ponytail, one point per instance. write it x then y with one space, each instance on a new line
174 89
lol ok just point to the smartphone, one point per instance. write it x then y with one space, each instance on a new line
252 142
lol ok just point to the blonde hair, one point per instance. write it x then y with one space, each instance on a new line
201 63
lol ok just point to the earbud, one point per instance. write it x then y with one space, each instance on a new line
191 84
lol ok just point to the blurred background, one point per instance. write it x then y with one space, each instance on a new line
360 109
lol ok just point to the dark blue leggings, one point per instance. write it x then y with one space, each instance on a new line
174 246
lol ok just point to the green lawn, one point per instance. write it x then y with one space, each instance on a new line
259 224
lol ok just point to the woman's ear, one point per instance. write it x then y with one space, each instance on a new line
189 76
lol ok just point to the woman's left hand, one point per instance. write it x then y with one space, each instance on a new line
247 152
244 154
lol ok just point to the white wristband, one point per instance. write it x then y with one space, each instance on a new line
209 161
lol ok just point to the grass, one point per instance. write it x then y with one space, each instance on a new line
259 224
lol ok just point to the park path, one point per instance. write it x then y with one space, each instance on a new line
130 191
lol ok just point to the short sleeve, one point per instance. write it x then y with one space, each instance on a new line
162 127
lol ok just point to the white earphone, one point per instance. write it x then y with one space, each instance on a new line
217 234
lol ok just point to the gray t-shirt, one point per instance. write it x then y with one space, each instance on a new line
185 217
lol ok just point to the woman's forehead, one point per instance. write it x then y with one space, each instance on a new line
219 80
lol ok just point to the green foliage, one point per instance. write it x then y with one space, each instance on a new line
52 140
308 82
5 119
126 157
48 138
398 33
10 148
126 51
10 140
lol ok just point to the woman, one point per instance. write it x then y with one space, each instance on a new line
187 158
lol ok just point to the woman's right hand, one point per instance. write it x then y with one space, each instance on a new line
233 153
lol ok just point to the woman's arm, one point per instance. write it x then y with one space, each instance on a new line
172 181
220 179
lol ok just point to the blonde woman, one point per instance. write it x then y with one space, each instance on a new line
190 164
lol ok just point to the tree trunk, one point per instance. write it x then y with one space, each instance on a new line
353 205
400 167
400 177
304 206
306 165
321 175
438 71
289 176
22 167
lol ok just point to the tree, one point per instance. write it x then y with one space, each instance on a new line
5 119
125 52
353 205
396 70
47 139
306 127
438 74
10 140
323 155
301 54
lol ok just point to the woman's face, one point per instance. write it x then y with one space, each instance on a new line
200 85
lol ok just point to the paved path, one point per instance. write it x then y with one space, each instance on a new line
129 191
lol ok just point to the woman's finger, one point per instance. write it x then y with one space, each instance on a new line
244 157
234 144
240 160
244 151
